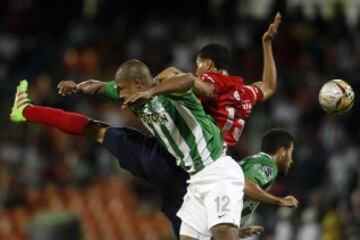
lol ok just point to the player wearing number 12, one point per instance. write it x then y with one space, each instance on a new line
144 157
119 134
173 114
175 117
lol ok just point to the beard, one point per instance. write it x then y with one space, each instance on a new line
283 170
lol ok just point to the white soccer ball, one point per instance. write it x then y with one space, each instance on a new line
336 96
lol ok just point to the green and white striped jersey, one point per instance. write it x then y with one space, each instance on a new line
180 124
261 170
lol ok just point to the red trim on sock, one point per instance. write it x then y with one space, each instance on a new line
67 122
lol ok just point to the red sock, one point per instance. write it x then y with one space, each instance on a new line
67 122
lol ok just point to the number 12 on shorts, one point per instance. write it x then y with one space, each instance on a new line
222 204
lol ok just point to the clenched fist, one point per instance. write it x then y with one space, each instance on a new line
289 201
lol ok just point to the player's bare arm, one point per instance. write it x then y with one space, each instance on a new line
167 73
180 83
269 77
254 191
203 89
200 88
89 87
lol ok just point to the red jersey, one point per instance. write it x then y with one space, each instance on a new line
232 103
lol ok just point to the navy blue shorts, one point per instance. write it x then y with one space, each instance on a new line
145 158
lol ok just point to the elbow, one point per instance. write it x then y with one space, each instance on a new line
248 186
191 80
268 90
271 84
250 192
187 82
173 70
271 91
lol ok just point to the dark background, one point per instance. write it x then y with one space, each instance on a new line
49 41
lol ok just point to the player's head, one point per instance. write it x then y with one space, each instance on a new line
133 76
212 57
279 143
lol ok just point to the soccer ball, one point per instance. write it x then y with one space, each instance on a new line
336 96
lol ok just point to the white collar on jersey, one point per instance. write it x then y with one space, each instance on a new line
265 154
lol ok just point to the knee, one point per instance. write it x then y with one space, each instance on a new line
225 232
96 130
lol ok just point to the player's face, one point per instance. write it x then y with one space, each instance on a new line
203 65
127 88
286 159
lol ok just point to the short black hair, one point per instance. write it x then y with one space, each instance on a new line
134 69
218 53
275 139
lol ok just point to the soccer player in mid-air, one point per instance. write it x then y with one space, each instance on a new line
100 131
144 157
173 115
225 97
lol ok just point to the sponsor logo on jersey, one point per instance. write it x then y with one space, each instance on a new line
156 116
267 171
153 118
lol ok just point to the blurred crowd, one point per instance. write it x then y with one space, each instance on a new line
49 41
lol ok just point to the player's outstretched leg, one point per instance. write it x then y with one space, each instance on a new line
24 111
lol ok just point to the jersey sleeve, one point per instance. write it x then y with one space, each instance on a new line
253 93
261 174
111 90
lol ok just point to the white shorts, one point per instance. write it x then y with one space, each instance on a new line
214 196
189 231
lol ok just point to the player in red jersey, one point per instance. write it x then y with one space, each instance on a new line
226 97
216 86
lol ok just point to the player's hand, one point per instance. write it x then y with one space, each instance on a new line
67 88
138 97
250 231
270 34
289 201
